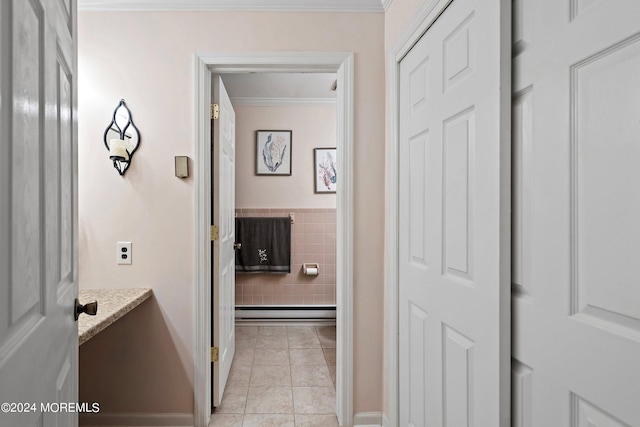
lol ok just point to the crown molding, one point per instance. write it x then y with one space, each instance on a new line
235 5
386 4
277 102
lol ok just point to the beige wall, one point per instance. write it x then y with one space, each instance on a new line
147 59
312 127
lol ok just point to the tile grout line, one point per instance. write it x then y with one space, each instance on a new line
293 402
290 366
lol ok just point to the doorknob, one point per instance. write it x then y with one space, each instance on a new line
90 308
237 246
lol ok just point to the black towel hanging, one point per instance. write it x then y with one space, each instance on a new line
266 245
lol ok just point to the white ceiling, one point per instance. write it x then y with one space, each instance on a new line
246 5
280 88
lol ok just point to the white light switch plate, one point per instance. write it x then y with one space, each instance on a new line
124 253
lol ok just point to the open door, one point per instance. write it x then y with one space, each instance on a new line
38 212
223 137
454 227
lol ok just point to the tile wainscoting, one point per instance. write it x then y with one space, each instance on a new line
313 239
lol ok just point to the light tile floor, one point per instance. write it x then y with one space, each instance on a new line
281 376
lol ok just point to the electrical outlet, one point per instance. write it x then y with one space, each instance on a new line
124 253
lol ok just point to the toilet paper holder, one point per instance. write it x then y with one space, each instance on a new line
310 268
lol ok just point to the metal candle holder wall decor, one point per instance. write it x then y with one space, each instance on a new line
121 138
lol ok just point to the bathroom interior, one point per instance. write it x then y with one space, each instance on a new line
305 105
285 358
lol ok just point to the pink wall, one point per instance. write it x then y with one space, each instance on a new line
147 59
313 239
398 17
312 127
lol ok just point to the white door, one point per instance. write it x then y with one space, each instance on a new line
576 301
38 212
454 221
224 266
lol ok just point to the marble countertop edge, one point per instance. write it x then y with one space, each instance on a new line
112 305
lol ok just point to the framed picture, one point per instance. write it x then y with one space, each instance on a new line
325 165
273 152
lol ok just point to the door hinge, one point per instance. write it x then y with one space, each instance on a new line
214 232
214 354
215 111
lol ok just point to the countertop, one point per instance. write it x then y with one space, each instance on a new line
112 305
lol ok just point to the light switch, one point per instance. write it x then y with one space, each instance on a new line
182 166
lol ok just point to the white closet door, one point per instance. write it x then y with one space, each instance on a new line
454 221
576 292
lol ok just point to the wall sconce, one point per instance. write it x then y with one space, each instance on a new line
121 138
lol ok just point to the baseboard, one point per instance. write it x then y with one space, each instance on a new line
385 421
136 420
367 419
274 313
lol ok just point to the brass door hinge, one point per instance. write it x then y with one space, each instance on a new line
214 354
215 111
214 232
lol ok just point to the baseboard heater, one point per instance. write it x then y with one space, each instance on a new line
286 312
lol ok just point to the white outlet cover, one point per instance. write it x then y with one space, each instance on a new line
124 255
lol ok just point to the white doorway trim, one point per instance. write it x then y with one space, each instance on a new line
424 18
341 63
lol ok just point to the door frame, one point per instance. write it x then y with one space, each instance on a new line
342 63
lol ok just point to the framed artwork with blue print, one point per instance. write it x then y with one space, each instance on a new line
273 152
325 169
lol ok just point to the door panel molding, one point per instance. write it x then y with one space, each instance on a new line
576 323
39 208
223 269
424 18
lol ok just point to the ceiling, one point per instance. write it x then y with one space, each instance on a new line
239 5
280 88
